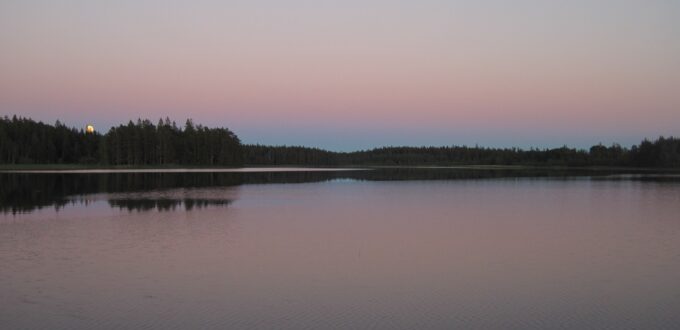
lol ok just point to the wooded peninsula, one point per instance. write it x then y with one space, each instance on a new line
142 143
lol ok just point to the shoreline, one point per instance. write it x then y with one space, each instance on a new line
80 168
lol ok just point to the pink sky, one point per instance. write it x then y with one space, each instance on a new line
352 74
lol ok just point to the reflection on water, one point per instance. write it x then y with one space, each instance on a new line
25 192
165 204
404 249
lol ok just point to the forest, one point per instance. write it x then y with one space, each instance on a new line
142 143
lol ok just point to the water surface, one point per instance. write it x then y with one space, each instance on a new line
406 249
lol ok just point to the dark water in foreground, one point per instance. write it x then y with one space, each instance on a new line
405 249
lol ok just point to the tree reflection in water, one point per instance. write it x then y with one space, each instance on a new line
27 192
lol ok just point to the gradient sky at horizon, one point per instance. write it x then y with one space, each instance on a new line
350 74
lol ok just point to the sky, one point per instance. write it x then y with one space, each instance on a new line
348 75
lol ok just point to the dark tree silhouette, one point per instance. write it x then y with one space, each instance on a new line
141 143
664 152
24 141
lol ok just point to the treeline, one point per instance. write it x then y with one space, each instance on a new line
144 143
141 143
285 155
664 152
25 141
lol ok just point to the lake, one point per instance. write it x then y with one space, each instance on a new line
400 248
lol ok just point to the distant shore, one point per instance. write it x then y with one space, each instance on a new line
66 168
26 144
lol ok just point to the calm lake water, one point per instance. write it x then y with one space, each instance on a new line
383 249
